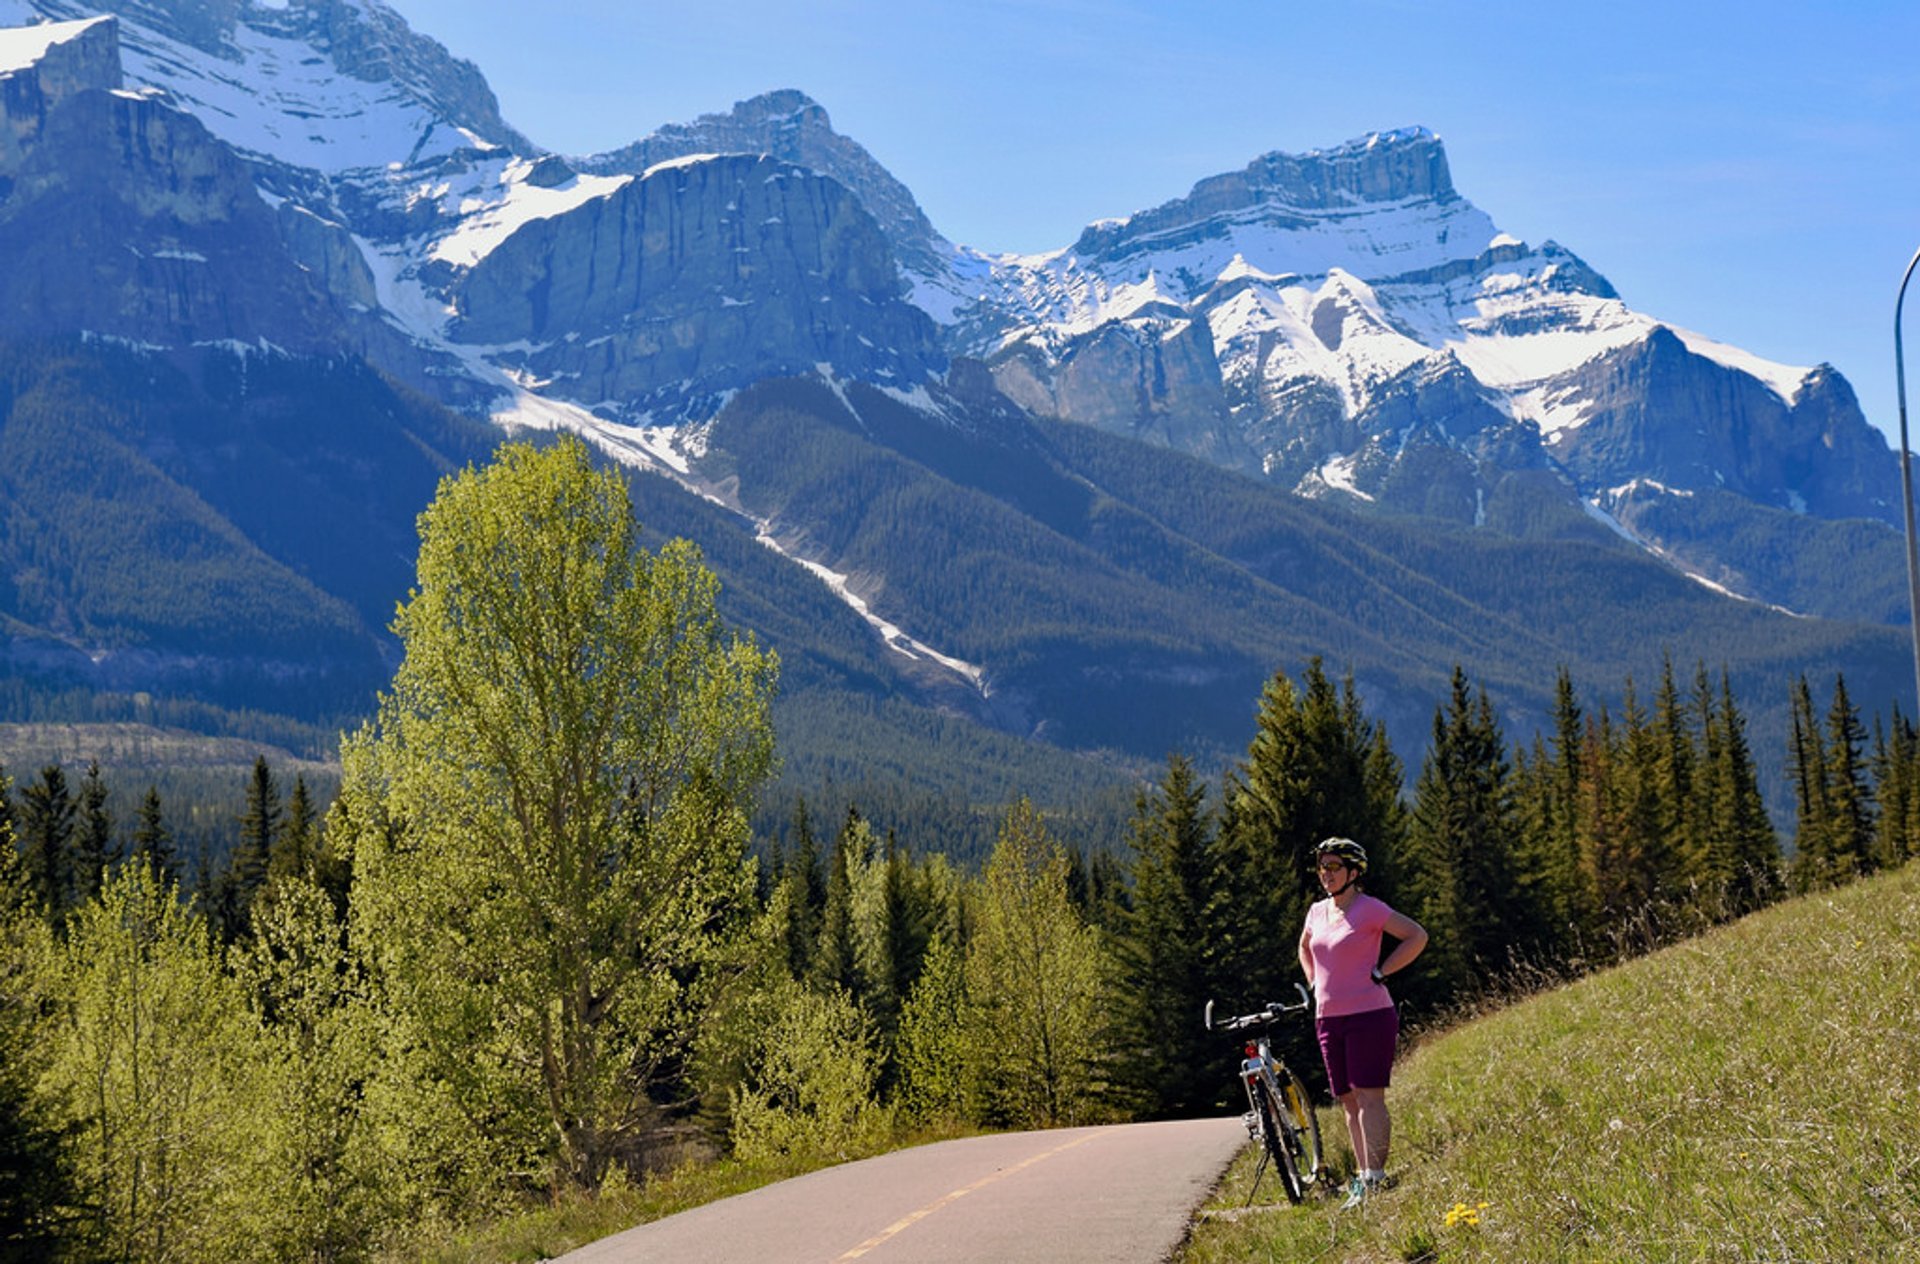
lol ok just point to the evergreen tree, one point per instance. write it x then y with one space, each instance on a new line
153 841
1609 887
1644 854
45 833
1317 768
1850 801
295 851
1163 960
253 854
1677 839
1895 752
1741 829
834 964
806 902
1466 886
93 846
1813 848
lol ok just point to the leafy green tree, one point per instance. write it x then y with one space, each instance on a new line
152 1052
314 1194
549 818
1035 984
1165 972
813 1089
931 1051
1895 756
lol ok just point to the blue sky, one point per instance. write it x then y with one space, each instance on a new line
1747 170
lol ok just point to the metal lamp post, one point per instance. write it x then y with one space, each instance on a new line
1906 475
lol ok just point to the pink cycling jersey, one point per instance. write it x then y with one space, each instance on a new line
1344 948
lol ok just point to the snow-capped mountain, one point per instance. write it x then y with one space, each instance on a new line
1342 322
1324 316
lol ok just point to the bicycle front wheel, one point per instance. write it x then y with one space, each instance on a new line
1277 1133
1297 1108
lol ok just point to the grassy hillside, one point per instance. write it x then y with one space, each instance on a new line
1750 1095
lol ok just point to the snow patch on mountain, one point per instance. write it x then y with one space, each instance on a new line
496 200
283 99
21 45
1784 380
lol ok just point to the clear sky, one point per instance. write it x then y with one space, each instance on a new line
1749 170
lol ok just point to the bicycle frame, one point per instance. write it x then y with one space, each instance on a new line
1279 1118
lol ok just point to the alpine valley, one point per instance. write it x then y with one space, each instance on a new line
270 268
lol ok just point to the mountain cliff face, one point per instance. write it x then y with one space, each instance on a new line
752 306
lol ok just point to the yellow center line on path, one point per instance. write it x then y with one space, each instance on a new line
914 1217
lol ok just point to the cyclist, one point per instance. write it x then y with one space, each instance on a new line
1354 1015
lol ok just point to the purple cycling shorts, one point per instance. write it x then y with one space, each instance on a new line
1358 1048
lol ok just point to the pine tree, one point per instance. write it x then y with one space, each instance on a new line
1740 812
1849 793
1677 841
295 851
1813 851
253 854
45 833
806 901
93 846
1317 768
1164 979
1465 884
153 842
834 964
1894 759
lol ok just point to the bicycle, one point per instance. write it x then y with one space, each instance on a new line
1280 1117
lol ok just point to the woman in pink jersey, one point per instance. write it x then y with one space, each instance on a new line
1353 1012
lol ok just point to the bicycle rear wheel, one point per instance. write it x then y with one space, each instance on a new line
1297 1108
1276 1132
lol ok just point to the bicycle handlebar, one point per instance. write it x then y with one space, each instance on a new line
1272 1012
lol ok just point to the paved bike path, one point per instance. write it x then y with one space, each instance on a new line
1111 1194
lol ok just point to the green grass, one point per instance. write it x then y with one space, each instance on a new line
1750 1095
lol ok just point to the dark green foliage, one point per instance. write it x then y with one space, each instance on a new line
93 846
1463 878
45 832
260 830
1166 970
1834 825
152 843
1317 768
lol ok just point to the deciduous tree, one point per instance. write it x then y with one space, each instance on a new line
549 814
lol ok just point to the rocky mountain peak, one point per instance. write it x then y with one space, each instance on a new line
789 125
1379 170
350 76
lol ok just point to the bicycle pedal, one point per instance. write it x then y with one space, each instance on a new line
1251 1122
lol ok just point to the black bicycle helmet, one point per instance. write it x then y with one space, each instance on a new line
1346 851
